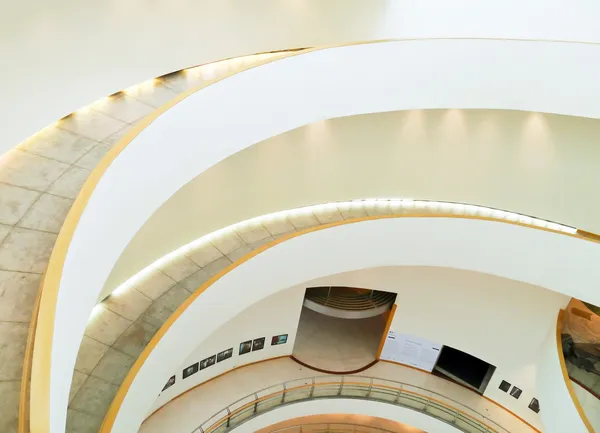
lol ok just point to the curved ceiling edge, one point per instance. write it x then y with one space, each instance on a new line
545 259
504 50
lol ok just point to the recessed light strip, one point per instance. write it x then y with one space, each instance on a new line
373 206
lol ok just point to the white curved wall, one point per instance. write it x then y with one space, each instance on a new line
560 263
448 155
276 315
558 412
347 406
60 55
503 322
444 73
452 307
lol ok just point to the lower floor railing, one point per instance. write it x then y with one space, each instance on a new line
359 387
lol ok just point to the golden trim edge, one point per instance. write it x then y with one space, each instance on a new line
22 426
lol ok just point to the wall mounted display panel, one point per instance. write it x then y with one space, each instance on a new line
410 350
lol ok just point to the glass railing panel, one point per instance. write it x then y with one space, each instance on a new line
441 412
352 390
269 403
468 425
298 394
221 429
276 389
241 415
327 388
413 401
356 386
384 394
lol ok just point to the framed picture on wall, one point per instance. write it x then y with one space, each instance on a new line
504 386
226 354
279 339
534 405
169 383
205 363
258 344
245 347
515 392
190 370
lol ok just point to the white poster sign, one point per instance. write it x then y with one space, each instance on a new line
410 350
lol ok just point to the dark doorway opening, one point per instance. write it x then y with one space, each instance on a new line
464 369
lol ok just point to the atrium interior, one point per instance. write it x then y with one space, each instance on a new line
315 216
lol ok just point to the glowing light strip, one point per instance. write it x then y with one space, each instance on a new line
370 206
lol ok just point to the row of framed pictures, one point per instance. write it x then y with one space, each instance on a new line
245 347
515 392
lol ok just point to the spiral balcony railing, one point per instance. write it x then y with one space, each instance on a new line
357 387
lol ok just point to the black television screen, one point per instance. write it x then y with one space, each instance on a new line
466 367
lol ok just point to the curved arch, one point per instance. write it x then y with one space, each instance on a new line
557 262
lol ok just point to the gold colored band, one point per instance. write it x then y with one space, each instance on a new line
27 361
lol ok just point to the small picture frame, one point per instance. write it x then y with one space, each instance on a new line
169 383
504 386
226 354
279 339
534 405
258 344
245 347
515 392
207 362
192 369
